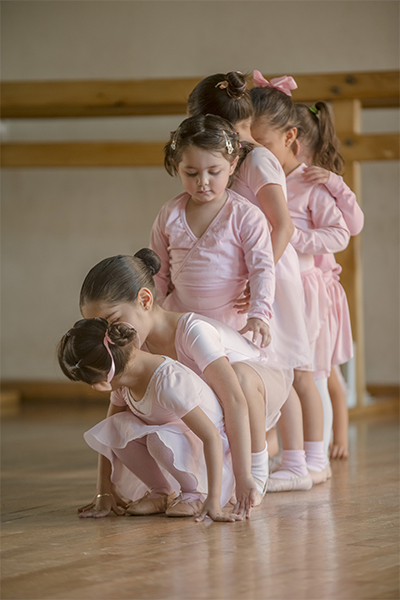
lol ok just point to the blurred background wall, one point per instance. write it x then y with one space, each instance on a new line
57 223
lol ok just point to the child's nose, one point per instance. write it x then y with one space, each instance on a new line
202 179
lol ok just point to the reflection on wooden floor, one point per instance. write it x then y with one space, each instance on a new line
338 541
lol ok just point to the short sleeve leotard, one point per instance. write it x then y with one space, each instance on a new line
173 391
288 327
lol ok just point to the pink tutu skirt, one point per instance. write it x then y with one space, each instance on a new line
339 321
317 309
118 430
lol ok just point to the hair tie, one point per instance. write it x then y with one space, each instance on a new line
224 85
284 84
314 110
228 143
107 340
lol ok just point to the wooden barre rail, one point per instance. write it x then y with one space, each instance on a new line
46 99
150 154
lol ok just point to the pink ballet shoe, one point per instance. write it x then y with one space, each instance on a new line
181 508
150 506
320 476
296 483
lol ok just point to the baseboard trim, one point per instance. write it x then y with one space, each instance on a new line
52 391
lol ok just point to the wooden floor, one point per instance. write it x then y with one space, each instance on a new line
339 540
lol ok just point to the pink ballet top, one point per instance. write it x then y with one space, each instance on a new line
173 391
199 341
319 229
210 273
288 328
346 202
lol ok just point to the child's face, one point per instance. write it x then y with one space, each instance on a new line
273 139
131 313
205 174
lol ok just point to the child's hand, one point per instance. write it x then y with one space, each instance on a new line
243 303
212 509
258 327
337 450
246 497
102 507
316 174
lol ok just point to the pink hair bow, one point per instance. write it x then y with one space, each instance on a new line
285 83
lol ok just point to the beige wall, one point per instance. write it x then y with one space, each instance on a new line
58 222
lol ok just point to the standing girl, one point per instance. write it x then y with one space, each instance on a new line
318 148
320 227
261 180
241 375
160 416
210 240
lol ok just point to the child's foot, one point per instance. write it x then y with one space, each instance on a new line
320 476
184 508
147 505
286 481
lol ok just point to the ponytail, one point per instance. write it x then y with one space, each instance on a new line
317 131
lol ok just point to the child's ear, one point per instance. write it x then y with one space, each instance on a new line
291 136
145 298
233 166
102 386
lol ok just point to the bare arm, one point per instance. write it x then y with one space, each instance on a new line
221 377
273 204
205 429
106 499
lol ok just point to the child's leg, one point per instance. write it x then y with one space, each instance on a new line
322 386
292 474
190 501
136 457
339 447
272 442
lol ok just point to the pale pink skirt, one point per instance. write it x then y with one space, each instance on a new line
339 321
317 310
119 429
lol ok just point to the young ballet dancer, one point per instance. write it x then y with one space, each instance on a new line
243 377
161 416
319 225
318 148
261 179
211 230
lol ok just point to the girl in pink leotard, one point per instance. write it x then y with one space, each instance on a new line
250 386
319 229
318 147
211 241
160 416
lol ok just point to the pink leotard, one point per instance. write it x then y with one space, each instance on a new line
288 328
210 273
173 391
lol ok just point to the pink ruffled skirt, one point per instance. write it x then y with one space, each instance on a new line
339 321
317 310
118 430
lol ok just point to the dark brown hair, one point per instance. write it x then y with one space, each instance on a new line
208 132
276 106
83 356
316 130
118 279
225 95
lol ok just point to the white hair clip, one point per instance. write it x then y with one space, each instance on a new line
228 143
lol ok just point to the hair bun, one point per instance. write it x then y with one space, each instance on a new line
120 334
150 259
237 84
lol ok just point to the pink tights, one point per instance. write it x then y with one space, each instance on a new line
144 456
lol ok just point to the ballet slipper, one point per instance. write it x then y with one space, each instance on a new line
181 508
320 476
150 506
296 483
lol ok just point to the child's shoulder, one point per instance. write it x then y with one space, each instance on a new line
242 206
260 155
173 204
